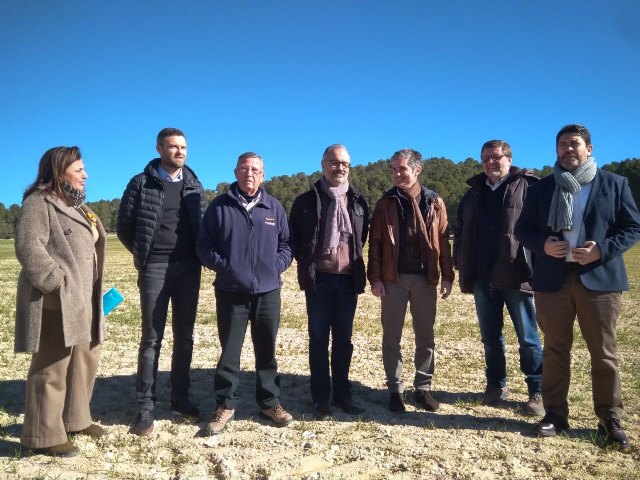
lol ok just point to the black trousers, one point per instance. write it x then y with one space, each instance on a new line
159 283
234 311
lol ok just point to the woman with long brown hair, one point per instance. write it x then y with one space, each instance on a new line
60 244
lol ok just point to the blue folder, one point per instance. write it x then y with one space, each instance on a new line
110 300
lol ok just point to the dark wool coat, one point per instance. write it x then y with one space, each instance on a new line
140 211
55 245
304 224
510 269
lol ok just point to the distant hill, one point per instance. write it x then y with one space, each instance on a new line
439 174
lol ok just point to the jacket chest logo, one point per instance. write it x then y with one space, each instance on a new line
270 221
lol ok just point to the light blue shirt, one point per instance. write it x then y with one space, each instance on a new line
579 204
164 175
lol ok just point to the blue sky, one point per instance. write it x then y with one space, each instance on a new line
287 78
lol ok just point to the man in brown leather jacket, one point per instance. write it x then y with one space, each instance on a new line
409 253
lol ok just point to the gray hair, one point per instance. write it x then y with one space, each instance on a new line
414 158
246 155
331 148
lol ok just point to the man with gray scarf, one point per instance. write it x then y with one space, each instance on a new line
578 222
329 224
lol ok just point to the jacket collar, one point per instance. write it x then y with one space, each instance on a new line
188 176
66 209
394 192
515 173
233 192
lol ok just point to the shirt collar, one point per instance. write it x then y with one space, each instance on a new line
164 175
496 185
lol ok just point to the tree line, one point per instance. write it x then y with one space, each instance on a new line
440 174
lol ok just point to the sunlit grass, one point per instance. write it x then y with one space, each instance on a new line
458 379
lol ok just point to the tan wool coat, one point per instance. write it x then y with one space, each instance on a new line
55 246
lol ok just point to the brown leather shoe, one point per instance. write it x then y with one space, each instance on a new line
613 434
66 450
277 415
93 430
221 416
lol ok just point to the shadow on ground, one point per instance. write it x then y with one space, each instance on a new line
113 403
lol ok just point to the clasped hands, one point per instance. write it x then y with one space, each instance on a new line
589 251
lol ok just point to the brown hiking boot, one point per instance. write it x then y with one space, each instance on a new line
221 415
277 415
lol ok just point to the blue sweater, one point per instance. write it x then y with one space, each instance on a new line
247 250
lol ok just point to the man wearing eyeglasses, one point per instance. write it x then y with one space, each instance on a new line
493 266
409 254
329 224
244 238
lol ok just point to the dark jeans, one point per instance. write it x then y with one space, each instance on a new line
234 311
330 308
159 283
490 303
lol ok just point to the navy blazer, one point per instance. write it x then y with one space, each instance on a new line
611 219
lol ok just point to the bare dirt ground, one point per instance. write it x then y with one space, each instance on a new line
463 440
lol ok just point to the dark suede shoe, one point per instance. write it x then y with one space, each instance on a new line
144 423
494 395
347 406
185 409
534 406
425 400
93 430
551 425
323 412
396 402
66 450
612 432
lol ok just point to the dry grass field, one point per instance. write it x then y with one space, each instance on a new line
463 440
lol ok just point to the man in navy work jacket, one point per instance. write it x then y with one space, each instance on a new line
244 238
158 221
578 222
330 223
